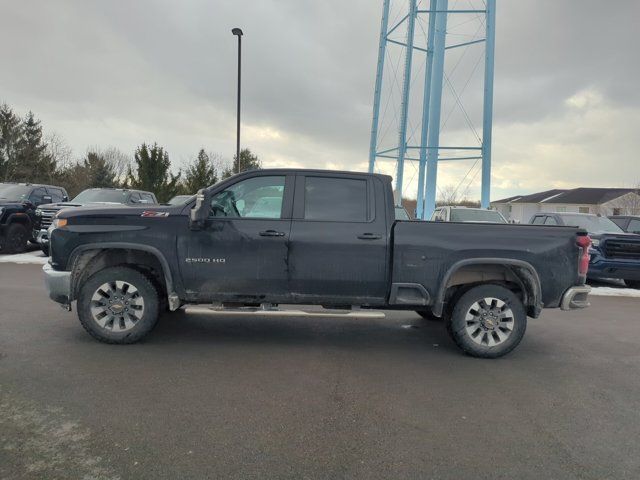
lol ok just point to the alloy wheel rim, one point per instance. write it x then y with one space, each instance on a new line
117 306
489 322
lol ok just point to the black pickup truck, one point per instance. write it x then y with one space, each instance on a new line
314 237
18 204
86 198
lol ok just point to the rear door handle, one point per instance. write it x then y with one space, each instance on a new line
271 233
369 236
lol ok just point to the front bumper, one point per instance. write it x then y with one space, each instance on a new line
41 236
58 284
576 297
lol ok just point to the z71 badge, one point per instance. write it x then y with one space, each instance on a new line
154 214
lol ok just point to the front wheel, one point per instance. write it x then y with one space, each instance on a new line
118 305
632 283
16 239
488 321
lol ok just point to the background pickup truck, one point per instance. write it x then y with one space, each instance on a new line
87 198
613 253
311 237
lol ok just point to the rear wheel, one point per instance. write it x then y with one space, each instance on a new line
16 238
632 283
488 321
118 305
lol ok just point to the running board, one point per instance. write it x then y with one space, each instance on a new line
277 312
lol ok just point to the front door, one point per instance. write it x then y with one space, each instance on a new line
241 253
338 248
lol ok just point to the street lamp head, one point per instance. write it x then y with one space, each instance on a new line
237 31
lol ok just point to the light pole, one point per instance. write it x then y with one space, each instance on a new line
238 32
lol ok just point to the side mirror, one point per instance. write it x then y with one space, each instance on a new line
200 212
46 199
65 199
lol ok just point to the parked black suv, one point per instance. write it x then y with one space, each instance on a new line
87 198
18 202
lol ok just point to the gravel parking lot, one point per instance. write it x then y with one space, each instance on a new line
247 397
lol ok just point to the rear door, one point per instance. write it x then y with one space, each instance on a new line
338 246
241 253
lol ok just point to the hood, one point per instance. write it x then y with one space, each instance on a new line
119 210
61 205
599 238
12 203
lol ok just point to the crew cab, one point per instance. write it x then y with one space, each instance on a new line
18 203
466 214
613 253
90 197
310 237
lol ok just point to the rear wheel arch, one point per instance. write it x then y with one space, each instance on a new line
516 275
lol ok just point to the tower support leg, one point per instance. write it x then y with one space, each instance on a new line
373 145
404 109
487 117
433 137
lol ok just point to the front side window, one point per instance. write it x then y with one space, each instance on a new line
258 197
335 199
539 220
56 195
550 221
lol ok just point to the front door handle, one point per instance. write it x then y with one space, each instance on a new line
271 233
369 236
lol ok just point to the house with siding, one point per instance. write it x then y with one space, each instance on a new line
602 201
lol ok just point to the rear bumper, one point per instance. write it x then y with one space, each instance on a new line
58 284
576 297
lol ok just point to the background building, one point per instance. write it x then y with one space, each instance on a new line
603 201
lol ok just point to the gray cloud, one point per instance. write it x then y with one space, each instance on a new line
119 73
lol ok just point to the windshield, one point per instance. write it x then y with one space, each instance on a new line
591 223
14 192
99 195
476 215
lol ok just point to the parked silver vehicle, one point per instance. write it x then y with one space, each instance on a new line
466 214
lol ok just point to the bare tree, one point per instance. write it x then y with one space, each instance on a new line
452 195
630 203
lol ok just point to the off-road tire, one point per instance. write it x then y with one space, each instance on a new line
147 291
457 324
15 239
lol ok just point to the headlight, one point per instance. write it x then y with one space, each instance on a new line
1 210
38 212
58 222
595 242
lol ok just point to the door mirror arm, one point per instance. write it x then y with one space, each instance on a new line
200 212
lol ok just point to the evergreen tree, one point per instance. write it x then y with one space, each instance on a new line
153 172
10 132
100 172
200 174
248 161
33 162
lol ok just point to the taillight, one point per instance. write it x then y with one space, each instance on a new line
584 242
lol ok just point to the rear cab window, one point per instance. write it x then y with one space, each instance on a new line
336 199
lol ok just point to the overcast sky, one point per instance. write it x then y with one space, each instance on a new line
116 73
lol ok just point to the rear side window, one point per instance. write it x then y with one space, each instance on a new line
56 194
335 199
634 226
146 198
550 221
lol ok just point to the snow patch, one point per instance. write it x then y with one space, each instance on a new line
36 257
615 292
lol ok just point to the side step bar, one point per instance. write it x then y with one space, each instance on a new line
283 312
